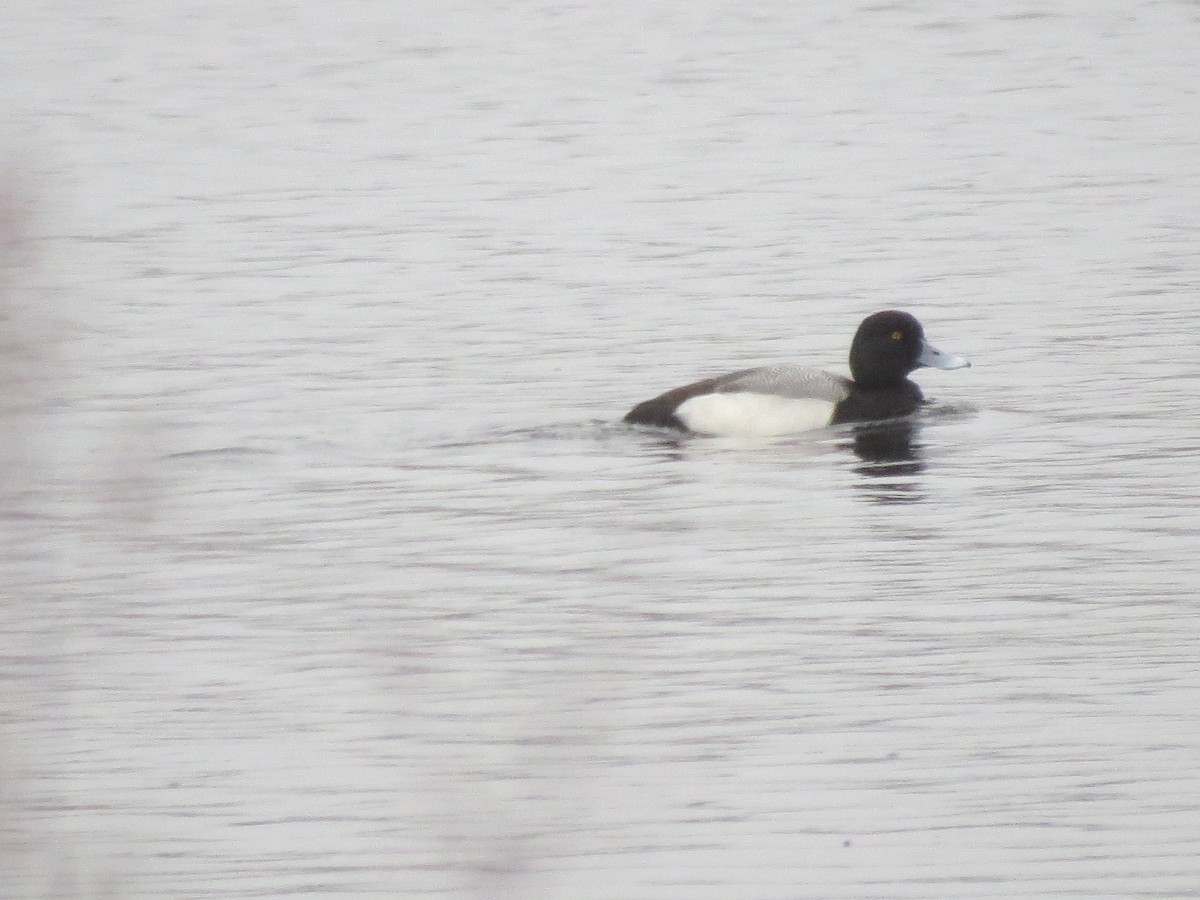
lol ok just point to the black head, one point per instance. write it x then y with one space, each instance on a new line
886 347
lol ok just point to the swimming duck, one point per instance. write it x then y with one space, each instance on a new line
787 398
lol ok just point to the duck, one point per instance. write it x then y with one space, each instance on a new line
788 398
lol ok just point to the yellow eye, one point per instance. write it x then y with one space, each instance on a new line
897 335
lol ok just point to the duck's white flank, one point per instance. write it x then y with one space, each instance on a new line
747 414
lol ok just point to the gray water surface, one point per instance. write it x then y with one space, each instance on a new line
327 571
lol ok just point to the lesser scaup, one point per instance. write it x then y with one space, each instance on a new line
787 398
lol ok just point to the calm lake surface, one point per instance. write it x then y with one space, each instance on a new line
326 570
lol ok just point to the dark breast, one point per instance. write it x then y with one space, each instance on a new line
870 405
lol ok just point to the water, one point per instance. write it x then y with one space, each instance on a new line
327 570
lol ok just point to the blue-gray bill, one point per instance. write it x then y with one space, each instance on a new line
937 359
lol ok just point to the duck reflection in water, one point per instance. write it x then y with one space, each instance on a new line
891 457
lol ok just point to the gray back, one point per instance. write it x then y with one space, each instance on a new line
787 380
